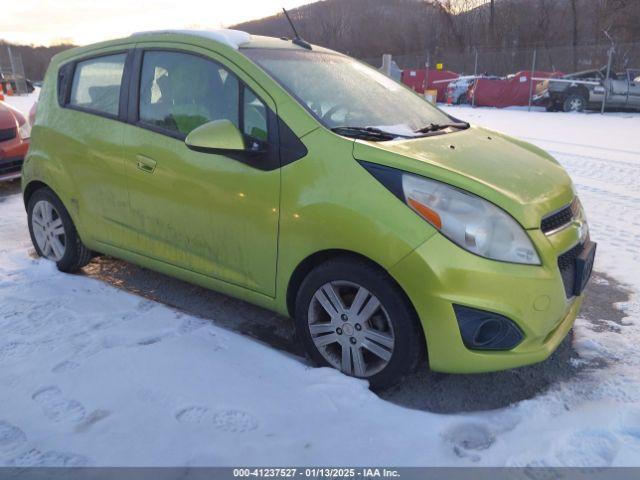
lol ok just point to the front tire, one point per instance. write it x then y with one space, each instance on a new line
552 107
353 317
53 234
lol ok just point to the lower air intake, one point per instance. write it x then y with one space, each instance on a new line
481 330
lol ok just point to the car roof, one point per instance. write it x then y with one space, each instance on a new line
236 39
226 38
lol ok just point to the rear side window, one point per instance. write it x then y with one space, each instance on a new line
96 84
179 92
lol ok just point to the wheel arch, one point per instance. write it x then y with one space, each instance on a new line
308 264
35 185
31 188
315 259
578 90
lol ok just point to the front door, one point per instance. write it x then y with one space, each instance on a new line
618 91
204 212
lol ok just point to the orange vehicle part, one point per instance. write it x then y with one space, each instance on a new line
13 147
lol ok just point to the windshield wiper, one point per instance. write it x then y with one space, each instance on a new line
364 133
434 127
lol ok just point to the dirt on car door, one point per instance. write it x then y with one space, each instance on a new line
205 212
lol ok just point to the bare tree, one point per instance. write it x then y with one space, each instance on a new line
567 33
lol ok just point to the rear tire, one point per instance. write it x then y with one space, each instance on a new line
379 343
53 234
575 103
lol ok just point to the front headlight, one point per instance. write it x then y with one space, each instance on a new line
24 130
469 221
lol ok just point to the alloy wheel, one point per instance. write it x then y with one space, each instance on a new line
48 230
351 329
576 105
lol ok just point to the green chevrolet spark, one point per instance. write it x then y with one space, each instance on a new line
303 181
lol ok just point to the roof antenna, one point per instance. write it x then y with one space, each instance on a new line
297 40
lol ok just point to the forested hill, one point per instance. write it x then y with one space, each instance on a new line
369 28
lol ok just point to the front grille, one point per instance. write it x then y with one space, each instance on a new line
8 133
12 166
567 266
560 218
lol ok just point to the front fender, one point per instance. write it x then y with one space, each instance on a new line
330 202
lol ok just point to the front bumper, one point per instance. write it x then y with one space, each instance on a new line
10 168
439 274
541 96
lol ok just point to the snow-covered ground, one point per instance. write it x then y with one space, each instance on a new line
93 375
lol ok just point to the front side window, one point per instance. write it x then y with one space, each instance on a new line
96 84
180 92
341 91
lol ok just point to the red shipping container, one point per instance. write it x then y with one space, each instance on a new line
415 79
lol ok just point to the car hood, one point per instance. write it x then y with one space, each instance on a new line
517 176
7 120
9 116
583 74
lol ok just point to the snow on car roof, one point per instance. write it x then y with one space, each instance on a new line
231 38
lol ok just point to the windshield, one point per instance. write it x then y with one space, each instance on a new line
341 91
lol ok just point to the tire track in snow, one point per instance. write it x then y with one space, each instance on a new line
608 187
581 145
612 172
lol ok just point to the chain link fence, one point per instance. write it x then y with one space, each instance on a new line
504 61
515 66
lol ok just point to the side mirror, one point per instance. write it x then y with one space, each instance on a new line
216 137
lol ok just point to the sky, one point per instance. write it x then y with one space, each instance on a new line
46 22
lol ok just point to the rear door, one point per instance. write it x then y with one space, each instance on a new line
634 88
88 134
209 213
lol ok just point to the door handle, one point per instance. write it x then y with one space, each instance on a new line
146 164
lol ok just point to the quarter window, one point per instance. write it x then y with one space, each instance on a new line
179 92
255 116
96 84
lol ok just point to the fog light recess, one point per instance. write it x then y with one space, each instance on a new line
481 330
